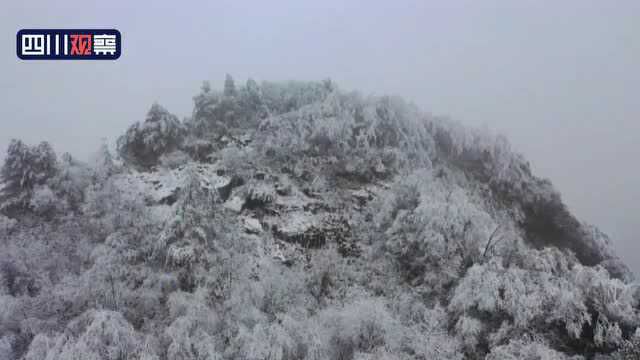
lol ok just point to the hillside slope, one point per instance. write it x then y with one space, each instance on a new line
298 221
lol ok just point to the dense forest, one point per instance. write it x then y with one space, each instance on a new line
296 220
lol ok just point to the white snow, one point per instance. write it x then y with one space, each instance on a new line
234 204
251 225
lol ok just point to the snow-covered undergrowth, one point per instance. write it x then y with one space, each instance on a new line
297 221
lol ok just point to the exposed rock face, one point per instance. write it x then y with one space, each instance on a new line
225 190
306 236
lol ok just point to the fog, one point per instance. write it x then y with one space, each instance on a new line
562 81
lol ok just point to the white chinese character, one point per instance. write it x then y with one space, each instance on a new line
104 44
33 44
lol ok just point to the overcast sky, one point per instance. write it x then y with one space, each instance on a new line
560 78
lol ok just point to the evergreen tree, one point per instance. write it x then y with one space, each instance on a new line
144 143
24 168
229 86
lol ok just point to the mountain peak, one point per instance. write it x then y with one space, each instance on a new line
299 221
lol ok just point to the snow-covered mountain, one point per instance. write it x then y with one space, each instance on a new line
298 221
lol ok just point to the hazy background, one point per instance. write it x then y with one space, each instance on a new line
560 78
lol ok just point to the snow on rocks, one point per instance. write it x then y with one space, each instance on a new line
234 204
314 230
251 225
162 187
362 196
286 253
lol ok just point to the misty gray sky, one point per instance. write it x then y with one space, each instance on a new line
560 79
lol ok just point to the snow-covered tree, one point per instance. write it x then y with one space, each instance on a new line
432 229
229 86
358 138
144 143
102 163
519 349
94 335
630 349
24 168
187 236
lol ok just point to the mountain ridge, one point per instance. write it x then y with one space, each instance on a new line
297 221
